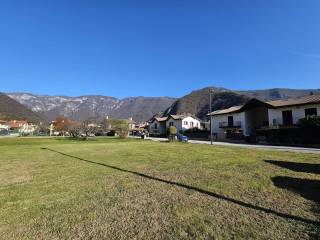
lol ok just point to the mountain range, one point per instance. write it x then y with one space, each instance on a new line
143 108
83 107
11 109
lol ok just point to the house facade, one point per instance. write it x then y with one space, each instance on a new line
242 121
17 127
183 122
159 125
4 127
289 112
239 121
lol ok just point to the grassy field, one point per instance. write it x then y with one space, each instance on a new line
132 189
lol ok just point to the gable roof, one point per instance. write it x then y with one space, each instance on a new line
252 103
160 119
182 116
233 109
310 99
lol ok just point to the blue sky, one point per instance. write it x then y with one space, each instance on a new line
157 48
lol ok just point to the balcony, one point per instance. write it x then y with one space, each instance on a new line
236 124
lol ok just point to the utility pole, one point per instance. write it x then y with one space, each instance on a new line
210 106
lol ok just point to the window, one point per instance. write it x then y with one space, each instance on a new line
191 124
287 119
274 121
230 121
170 124
155 126
310 112
186 123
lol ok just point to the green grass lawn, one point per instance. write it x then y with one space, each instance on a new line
132 189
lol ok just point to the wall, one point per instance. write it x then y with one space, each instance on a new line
255 118
176 123
160 130
180 124
237 117
297 113
189 120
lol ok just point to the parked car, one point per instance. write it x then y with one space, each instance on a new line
182 138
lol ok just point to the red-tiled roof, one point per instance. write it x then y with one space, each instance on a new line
17 123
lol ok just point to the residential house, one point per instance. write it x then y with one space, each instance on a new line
160 125
289 112
183 122
17 125
132 124
4 127
242 121
157 126
239 121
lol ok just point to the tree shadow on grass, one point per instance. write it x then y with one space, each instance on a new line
298 167
307 188
199 190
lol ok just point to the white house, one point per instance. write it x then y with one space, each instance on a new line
239 121
4 127
242 121
289 112
183 122
159 125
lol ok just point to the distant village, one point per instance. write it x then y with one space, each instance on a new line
293 120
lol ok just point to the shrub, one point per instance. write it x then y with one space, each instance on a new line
309 122
172 130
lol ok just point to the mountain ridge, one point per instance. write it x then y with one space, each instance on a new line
197 101
143 108
12 109
98 106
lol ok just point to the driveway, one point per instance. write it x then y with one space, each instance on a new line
250 146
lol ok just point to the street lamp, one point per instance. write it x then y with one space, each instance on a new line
210 106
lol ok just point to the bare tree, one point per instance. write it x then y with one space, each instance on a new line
75 129
89 127
119 126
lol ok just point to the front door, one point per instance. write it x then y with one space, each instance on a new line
287 118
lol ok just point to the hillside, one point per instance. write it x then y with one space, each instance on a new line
197 102
83 107
11 109
143 108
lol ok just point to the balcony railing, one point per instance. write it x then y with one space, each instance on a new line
236 124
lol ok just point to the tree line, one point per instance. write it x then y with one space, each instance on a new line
91 127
